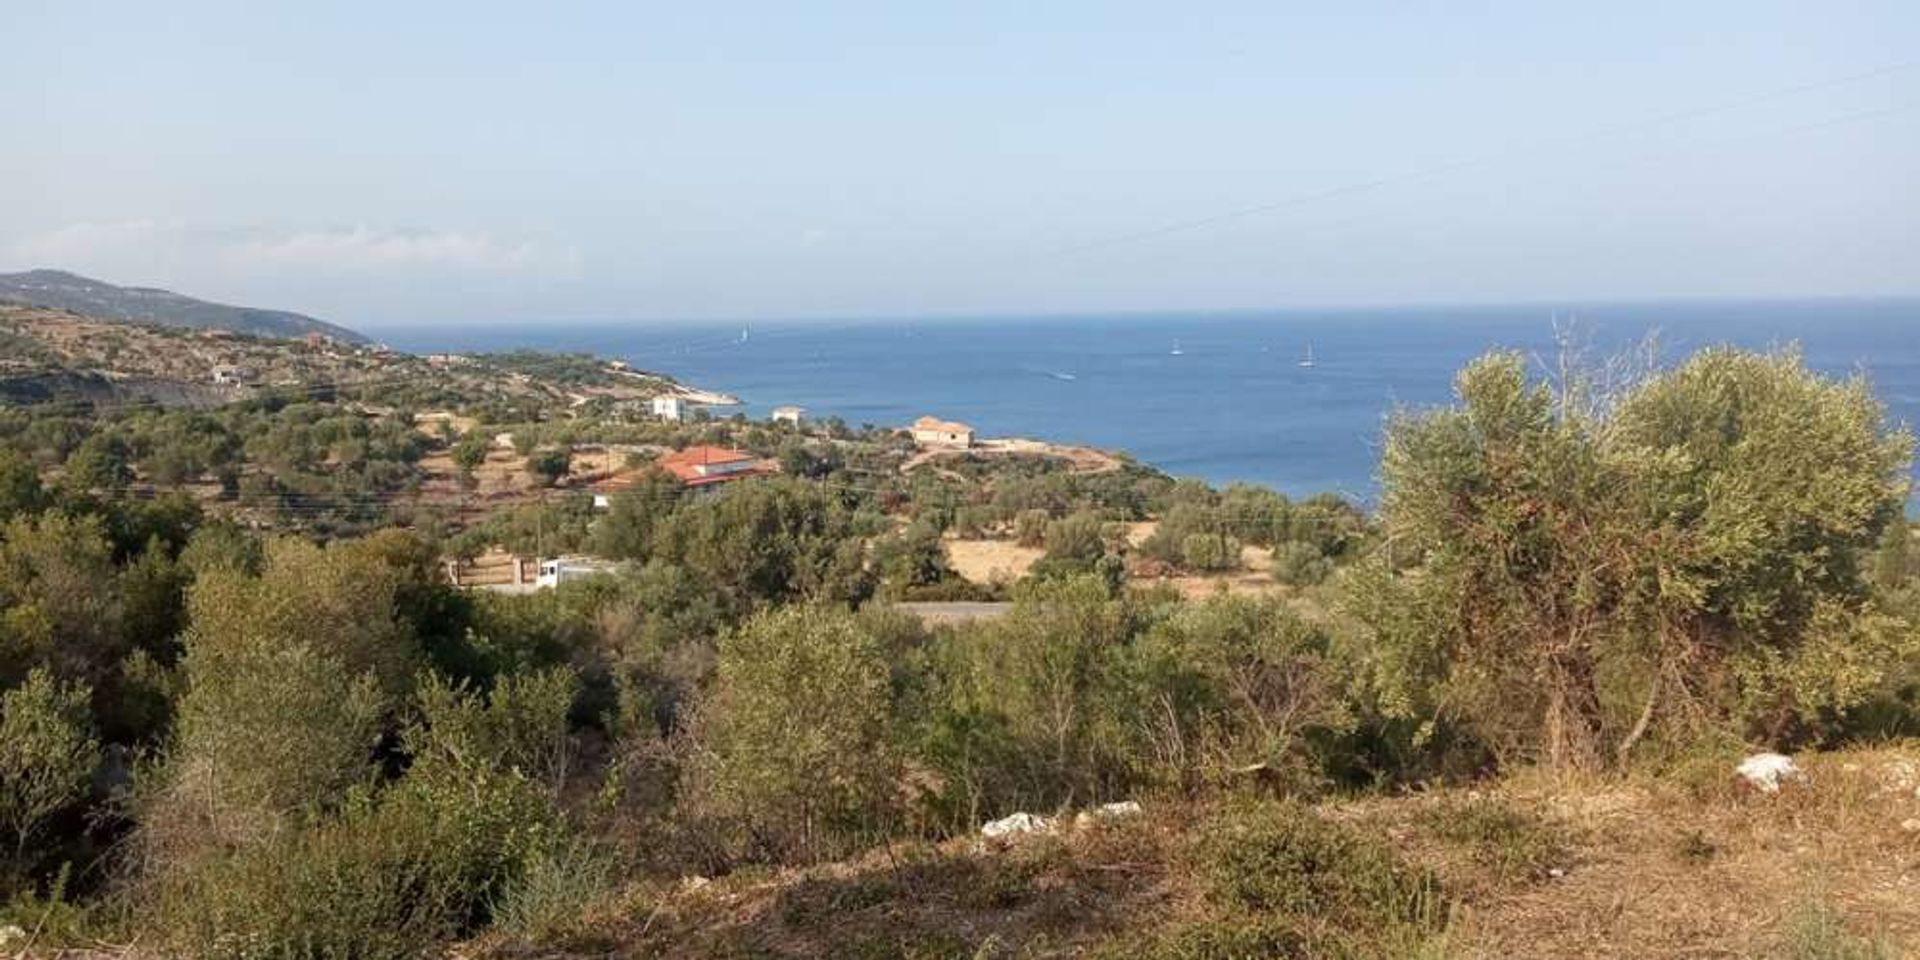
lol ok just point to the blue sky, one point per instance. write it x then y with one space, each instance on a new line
473 162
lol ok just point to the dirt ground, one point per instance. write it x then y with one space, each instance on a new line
985 561
1691 864
1079 459
990 561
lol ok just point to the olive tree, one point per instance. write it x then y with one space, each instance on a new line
291 678
47 757
791 745
1579 568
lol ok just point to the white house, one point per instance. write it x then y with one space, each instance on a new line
791 415
230 374
669 406
933 432
559 570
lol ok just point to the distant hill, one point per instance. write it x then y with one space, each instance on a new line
66 291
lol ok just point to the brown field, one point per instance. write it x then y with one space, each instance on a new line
1692 864
989 561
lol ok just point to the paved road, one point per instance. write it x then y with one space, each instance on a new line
959 611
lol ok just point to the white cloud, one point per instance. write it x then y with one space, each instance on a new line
147 246
84 243
363 248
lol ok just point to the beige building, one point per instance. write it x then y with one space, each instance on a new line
934 432
791 415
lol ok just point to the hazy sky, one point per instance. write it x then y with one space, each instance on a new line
467 161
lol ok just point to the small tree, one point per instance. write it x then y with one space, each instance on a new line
470 453
548 466
1030 527
1075 543
19 486
791 746
1686 553
1209 551
47 757
912 557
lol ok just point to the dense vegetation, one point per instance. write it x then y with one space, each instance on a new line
224 742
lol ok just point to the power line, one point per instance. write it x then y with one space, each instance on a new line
1423 173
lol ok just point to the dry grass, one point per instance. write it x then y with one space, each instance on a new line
1672 868
1254 579
1690 865
991 561
1041 897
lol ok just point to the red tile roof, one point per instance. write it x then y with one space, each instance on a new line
686 464
937 425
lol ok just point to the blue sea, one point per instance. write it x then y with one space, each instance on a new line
1220 396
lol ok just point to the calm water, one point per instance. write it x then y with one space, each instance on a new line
1233 404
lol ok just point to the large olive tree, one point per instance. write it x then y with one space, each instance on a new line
1573 569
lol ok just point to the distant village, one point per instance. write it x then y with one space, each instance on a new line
700 469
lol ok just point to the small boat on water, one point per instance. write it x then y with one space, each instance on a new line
1176 351
1307 361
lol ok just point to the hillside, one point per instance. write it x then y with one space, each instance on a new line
1692 864
48 352
94 298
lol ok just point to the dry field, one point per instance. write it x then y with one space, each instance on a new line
991 561
1695 864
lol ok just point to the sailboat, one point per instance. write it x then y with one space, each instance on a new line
743 334
1176 351
1307 361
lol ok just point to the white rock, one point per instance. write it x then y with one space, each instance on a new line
1105 811
1767 771
1016 824
1900 775
1910 825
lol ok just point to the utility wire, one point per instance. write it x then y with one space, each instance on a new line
1424 173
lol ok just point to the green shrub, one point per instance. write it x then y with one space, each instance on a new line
548 466
47 756
1512 842
1238 682
1236 938
389 873
1592 571
1817 932
1209 552
1033 709
1284 861
1074 543
521 725
1030 527
791 752
386 878
1300 564
557 884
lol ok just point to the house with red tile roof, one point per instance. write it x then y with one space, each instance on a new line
935 432
698 468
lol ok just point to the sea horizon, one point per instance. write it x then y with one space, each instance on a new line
1223 396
